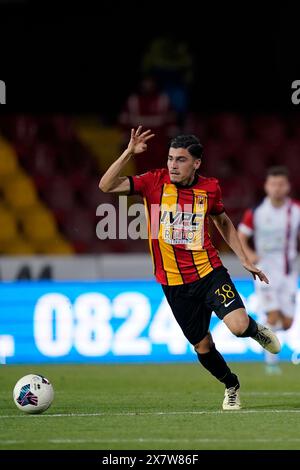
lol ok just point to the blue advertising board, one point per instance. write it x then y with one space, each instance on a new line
112 322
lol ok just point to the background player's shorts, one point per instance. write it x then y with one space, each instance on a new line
192 304
280 294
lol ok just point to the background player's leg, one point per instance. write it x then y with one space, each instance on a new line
269 302
275 324
280 305
286 321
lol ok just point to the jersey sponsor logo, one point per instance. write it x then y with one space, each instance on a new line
180 219
180 227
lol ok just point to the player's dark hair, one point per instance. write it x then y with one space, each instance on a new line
278 171
189 142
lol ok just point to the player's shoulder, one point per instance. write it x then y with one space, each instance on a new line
259 205
155 178
155 173
254 209
209 182
296 208
161 172
296 203
160 175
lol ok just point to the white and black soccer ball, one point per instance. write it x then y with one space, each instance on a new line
33 394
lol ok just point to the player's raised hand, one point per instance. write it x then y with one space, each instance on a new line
255 272
138 140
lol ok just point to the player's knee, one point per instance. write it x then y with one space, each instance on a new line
202 348
205 345
286 323
238 328
273 317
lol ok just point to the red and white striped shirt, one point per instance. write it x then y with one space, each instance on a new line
275 231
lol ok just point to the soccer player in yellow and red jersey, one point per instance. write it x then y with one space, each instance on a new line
178 203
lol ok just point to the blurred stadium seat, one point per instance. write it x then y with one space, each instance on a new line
59 196
39 226
56 246
19 192
8 160
19 247
80 228
9 229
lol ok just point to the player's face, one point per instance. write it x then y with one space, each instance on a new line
182 166
277 187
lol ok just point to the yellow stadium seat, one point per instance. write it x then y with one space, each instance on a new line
18 247
23 215
20 193
8 162
8 225
39 225
56 246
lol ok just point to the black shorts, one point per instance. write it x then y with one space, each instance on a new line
192 304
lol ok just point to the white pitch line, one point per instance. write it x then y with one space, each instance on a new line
142 413
269 394
144 440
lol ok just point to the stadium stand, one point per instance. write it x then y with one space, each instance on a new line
27 225
50 167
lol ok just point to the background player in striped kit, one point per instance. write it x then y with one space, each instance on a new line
274 225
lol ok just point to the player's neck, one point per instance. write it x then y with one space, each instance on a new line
278 202
189 182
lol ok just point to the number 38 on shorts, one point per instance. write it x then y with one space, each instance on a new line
226 299
224 293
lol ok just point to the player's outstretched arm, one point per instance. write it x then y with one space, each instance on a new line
111 181
251 254
230 235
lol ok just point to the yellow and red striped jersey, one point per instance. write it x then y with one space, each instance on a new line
180 245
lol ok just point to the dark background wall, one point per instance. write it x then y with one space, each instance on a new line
80 57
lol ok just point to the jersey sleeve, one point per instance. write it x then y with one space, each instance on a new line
218 205
247 223
141 184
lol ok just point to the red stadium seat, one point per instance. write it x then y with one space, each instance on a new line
63 128
197 125
213 154
229 127
91 196
80 228
269 130
254 161
59 197
41 163
23 128
290 156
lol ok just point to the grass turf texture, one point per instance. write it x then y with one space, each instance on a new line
169 406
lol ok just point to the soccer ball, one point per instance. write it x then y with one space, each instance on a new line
33 394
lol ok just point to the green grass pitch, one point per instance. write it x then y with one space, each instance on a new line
167 406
